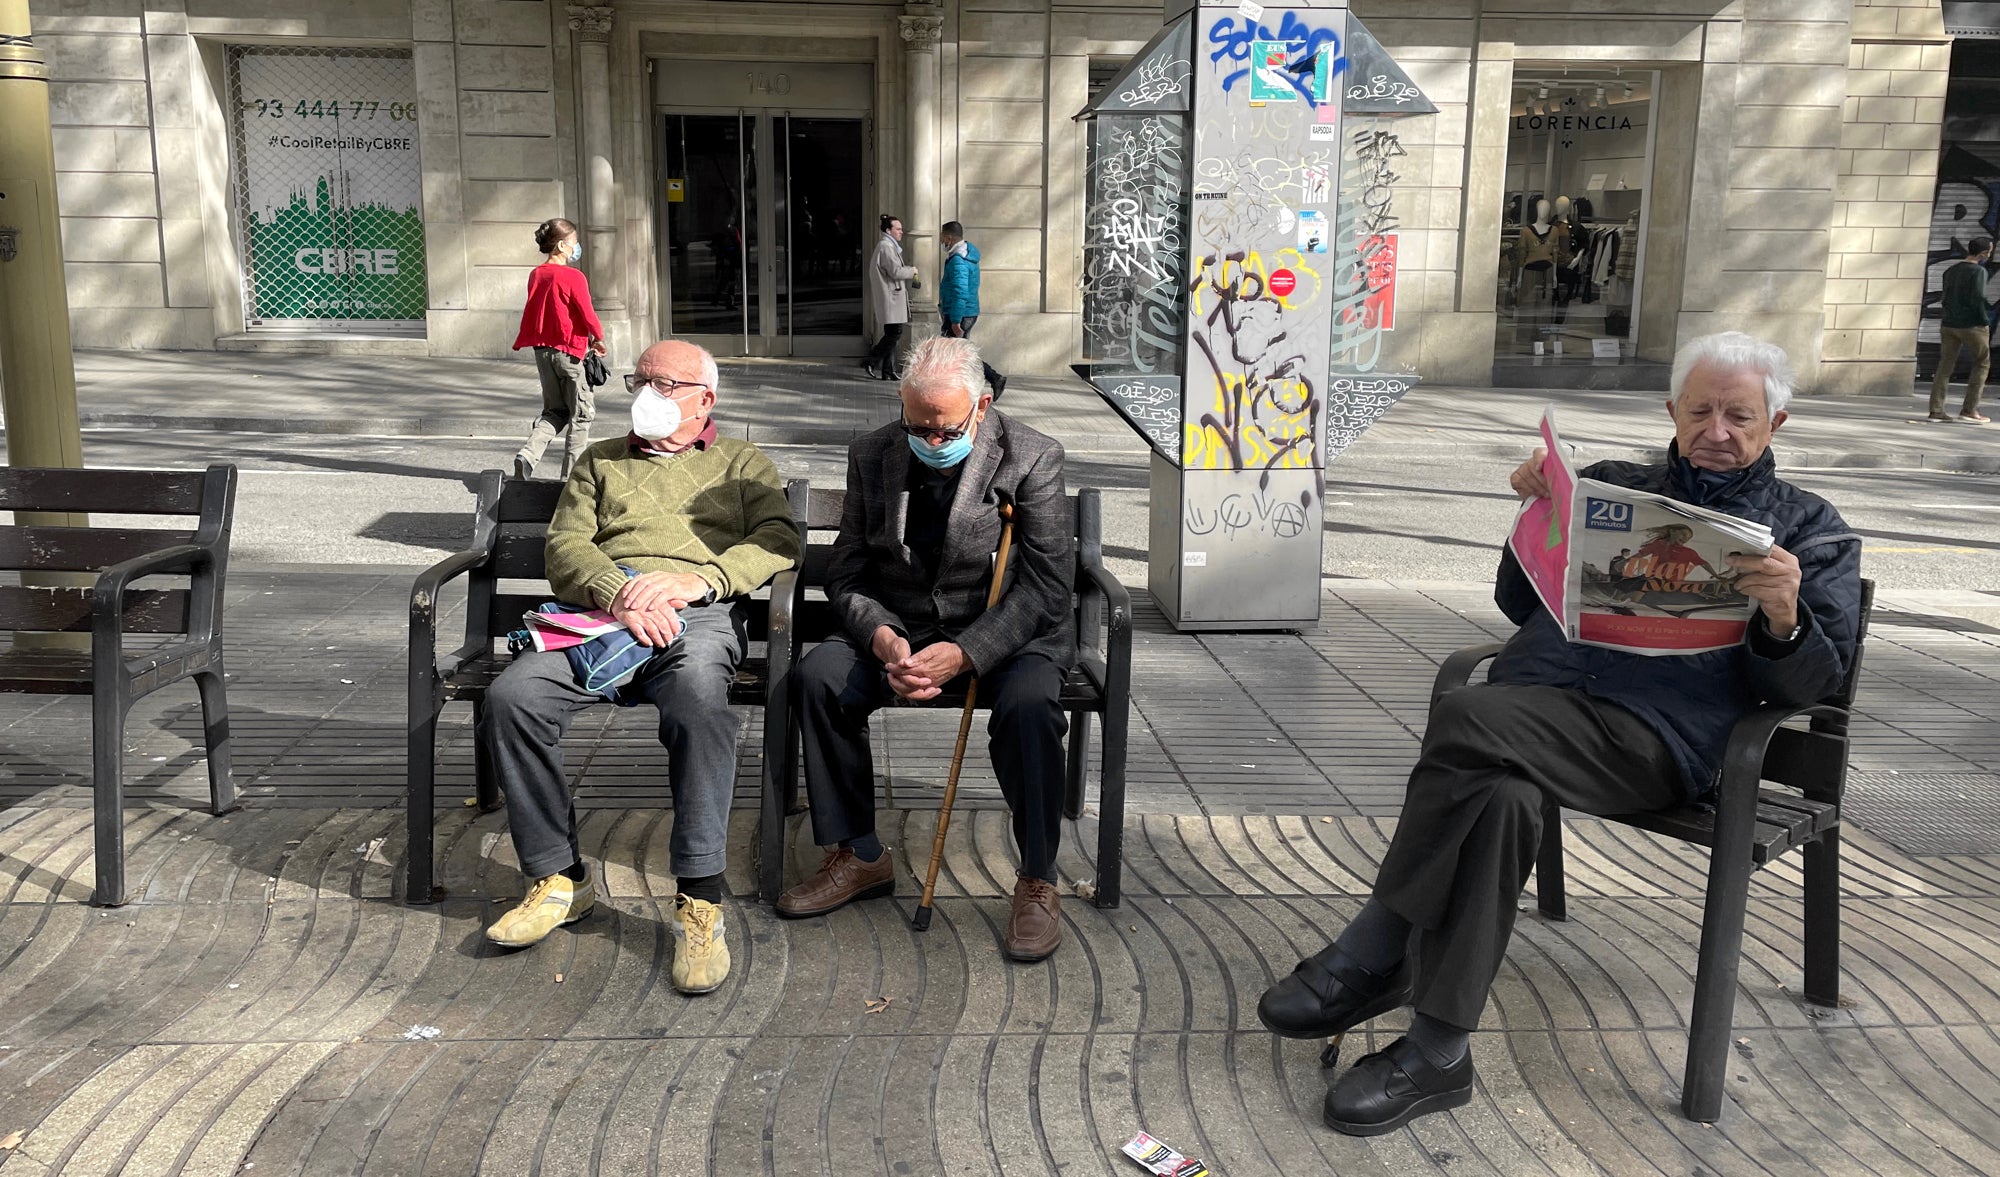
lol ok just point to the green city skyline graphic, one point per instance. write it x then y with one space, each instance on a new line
316 258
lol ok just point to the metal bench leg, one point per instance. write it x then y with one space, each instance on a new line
1111 808
1721 956
1079 764
107 768
778 783
421 822
215 737
1549 893
485 781
1822 895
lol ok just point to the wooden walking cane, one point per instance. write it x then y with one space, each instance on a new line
922 919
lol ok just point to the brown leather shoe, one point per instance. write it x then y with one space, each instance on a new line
841 880
1035 927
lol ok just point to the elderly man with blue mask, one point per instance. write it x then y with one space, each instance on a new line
909 582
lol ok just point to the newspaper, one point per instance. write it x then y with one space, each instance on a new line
1630 570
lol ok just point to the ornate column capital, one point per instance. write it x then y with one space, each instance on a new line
923 27
590 22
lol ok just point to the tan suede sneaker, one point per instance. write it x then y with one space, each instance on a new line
701 955
549 904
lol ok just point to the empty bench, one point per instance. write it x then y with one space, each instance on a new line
43 541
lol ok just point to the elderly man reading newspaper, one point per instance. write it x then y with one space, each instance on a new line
1592 728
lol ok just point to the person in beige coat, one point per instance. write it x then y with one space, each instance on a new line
888 298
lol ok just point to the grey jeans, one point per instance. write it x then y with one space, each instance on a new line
529 707
568 407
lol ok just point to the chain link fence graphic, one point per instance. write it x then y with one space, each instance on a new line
328 187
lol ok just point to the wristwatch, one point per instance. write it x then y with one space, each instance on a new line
708 598
1793 636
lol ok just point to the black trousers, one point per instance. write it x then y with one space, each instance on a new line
1472 820
884 352
962 328
840 687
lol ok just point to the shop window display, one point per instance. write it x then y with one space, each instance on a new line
1579 154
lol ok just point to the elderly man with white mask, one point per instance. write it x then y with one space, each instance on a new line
1589 728
667 528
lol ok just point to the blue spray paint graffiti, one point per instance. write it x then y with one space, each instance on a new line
1302 43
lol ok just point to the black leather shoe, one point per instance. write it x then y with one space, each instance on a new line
1389 1088
1329 994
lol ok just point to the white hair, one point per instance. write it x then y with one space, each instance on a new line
1733 351
944 359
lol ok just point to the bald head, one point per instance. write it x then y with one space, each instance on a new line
678 359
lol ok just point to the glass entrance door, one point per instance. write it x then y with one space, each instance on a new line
762 241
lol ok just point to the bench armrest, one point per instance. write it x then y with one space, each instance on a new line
781 639
107 597
1116 603
1750 743
1458 668
424 609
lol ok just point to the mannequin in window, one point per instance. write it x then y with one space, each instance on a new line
1568 278
1540 249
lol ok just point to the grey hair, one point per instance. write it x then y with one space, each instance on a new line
1733 351
943 359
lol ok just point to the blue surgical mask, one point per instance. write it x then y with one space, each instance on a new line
941 457
576 251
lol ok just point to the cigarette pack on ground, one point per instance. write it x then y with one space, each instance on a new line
1163 1159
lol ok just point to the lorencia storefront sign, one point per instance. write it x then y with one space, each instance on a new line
1573 122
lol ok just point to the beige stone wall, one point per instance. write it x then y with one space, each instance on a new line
138 103
1897 67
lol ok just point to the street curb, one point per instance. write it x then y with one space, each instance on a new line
485 427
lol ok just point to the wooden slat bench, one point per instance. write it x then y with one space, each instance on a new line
1749 828
110 609
1100 684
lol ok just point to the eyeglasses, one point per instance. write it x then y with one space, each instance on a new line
937 435
664 385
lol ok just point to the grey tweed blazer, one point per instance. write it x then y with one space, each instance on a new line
875 580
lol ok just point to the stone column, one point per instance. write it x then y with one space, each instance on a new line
923 28
590 27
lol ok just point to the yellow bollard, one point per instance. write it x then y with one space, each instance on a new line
37 372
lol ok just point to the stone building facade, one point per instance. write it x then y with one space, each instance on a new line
727 163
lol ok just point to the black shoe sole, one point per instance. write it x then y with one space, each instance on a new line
1442 1101
878 891
1374 1009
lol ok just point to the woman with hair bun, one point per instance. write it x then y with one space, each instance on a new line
560 324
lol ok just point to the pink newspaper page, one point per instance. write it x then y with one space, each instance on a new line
1540 537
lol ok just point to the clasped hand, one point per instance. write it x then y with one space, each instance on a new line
920 675
648 604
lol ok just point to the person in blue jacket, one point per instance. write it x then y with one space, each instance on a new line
958 292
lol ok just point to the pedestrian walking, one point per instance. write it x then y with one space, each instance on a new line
1967 326
888 298
958 293
560 324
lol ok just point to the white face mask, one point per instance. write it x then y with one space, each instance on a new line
655 417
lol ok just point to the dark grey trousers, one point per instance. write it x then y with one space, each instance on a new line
840 687
1472 820
532 703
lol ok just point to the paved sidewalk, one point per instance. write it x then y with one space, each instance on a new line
828 402
261 1001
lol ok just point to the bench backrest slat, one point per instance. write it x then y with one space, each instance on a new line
67 610
111 492
80 549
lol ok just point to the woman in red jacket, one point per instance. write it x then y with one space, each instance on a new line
560 325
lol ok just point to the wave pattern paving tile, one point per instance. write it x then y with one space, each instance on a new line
259 1004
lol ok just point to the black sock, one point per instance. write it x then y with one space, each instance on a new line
707 888
576 872
1376 939
1441 1042
867 847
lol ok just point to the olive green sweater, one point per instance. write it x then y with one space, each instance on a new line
719 513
